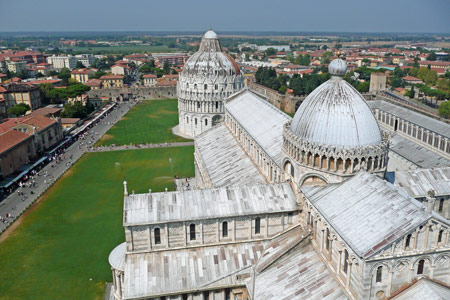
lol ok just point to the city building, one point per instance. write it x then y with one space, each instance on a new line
82 75
208 77
15 93
120 69
16 66
285 208
24 138
86 59
112 81
171 60
63 61
149 80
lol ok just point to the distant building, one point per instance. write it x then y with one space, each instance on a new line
64 61
172 60
441 67
94 84
86 59
276 47
82 75
412 79
119 69
112 81
16 66
377 82
149 80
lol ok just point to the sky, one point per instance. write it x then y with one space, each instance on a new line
232 15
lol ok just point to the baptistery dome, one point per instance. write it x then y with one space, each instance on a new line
208 77
333 134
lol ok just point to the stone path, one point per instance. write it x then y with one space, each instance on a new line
140 146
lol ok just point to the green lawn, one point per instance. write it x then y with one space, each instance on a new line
61 249
148 122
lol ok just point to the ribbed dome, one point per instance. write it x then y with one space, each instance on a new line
210 58
336 114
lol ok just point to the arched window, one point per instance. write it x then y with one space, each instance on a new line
440 236
379 276
441 204
215 86
224 229
192 232
327 239
157 235
195 120
345 268
408 240
206 122
205 86
420 266
217 104
258 225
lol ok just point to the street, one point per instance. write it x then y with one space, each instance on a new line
15 204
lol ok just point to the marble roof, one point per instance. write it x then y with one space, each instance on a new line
418 182
416 153
368 212
224 160
424 289
230 201
298 275
263 121
187 270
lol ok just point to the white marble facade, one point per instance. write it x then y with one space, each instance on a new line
208 77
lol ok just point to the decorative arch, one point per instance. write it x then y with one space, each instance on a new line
288 168
312 179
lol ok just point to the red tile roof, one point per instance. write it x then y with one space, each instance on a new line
111 77
11 138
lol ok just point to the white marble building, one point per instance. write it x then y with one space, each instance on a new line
208 77
288 209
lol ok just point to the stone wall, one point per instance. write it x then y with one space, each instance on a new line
286 103
137 93
207 232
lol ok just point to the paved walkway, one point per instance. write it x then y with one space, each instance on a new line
16 204
140 146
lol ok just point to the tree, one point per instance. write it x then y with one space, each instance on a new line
282 89
270 51
80 65
19 109
338 46
166 68
432 56
64 74
414 71
444 109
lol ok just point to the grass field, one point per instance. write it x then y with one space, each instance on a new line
61 248
148 122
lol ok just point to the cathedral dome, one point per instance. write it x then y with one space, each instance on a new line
336 114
